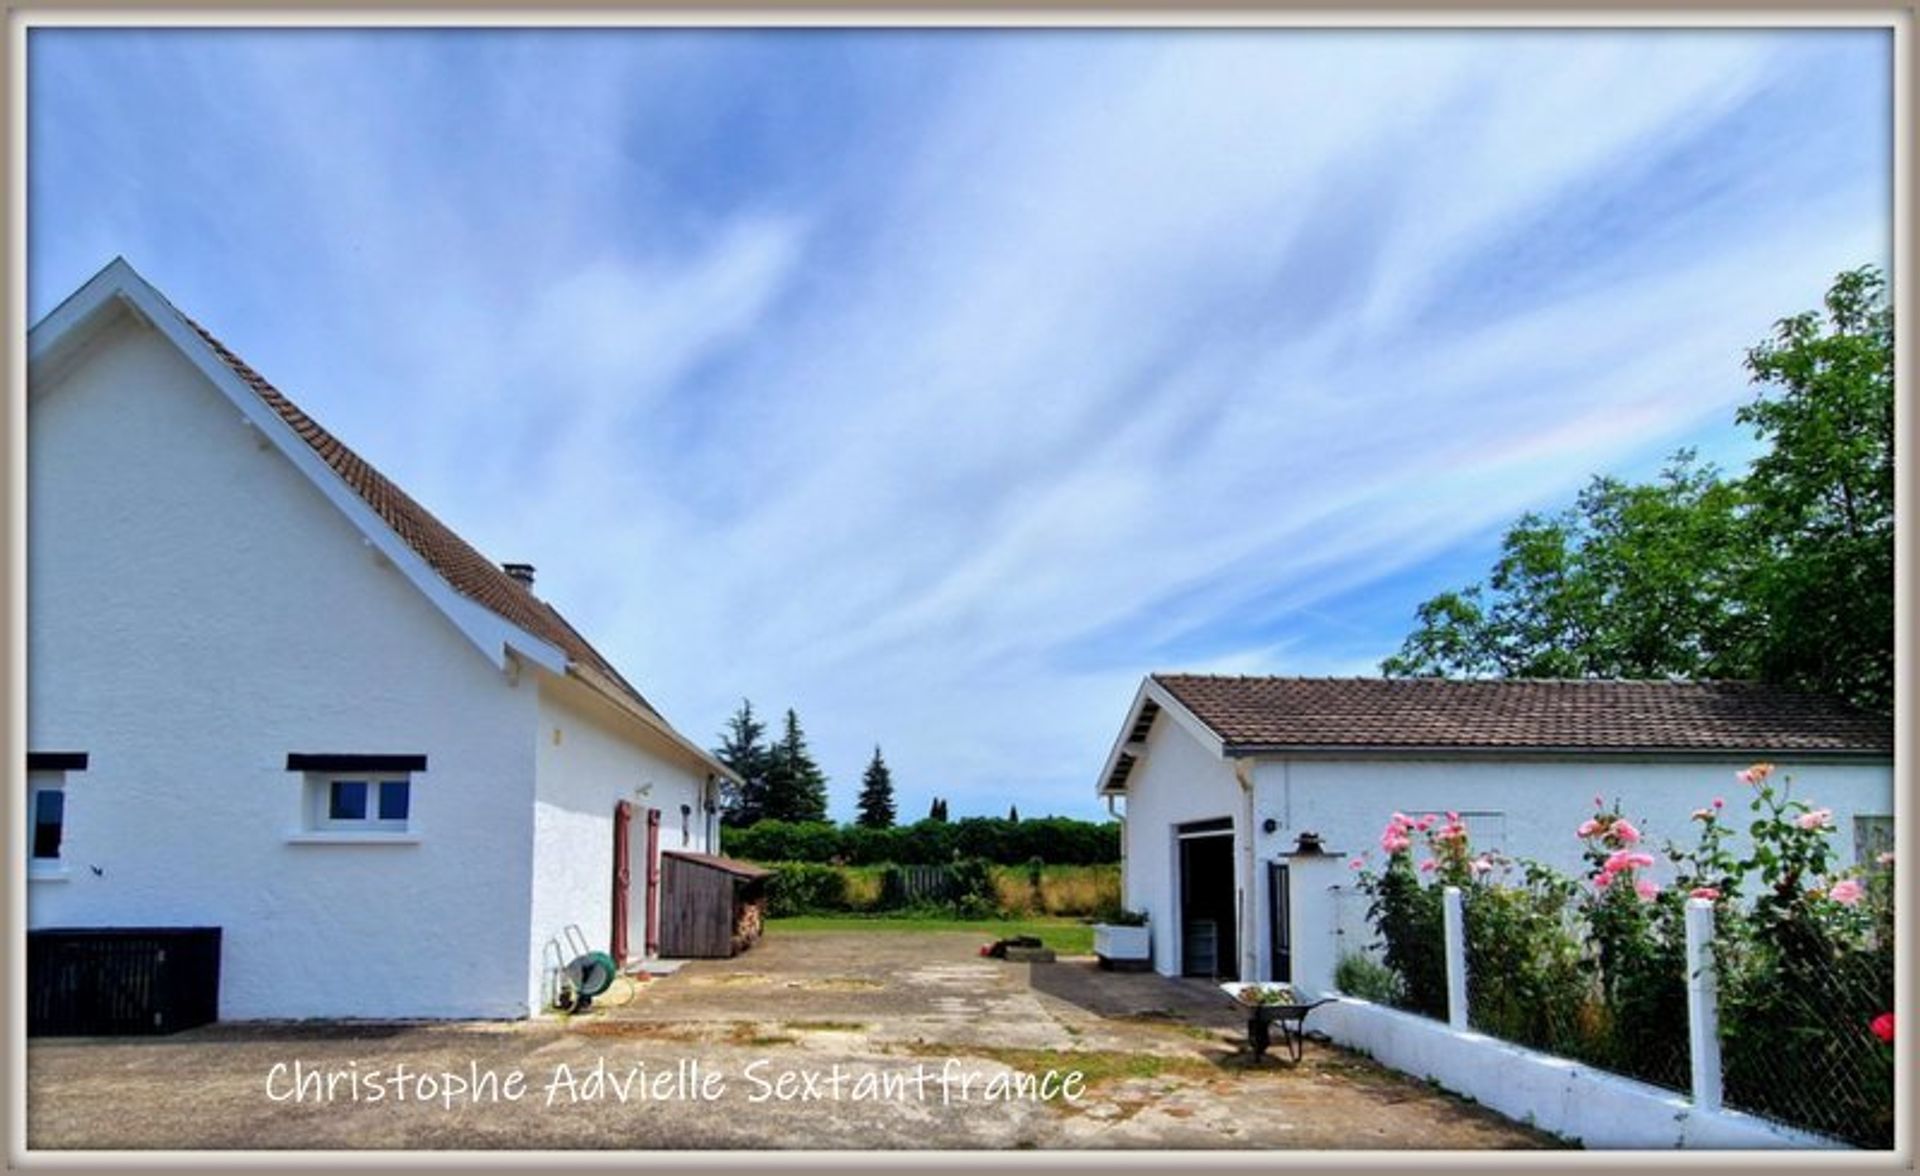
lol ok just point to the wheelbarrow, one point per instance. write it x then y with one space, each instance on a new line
1268 1005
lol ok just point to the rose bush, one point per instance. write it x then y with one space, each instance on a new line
1595 968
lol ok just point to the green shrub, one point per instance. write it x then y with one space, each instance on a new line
1060 840
1366 978
971 889
806 888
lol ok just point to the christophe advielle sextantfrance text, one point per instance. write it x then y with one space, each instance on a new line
948 1082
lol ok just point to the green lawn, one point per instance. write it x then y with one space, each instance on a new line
1066 936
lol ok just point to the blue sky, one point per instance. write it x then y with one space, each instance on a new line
941 384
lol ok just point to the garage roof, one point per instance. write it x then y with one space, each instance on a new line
1262 713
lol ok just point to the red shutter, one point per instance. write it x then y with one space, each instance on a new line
622 879
653 881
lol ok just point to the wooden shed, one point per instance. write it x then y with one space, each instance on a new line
710 907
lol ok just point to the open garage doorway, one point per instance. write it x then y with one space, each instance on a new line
1208 910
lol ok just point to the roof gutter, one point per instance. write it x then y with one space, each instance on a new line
1234 751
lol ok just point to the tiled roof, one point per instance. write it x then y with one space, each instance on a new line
1559 714
463 568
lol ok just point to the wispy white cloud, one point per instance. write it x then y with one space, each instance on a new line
947 431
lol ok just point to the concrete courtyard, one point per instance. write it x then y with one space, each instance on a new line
809 1041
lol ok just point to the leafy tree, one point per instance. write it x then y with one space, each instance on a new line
1823 493
796 787
1632 581
743 748
876 794
1785 575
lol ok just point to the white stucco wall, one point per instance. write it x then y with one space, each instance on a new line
1571 1099
1178 781
590 758
196 611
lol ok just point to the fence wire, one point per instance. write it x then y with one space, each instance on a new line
1798 1044
1803 1014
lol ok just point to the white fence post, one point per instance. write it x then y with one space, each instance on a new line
1455 925
1703 1006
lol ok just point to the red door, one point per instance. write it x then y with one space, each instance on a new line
622 878
653 882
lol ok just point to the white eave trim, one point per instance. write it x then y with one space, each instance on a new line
1152 691
609 690
491 633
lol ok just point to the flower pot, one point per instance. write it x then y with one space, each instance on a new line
1126 949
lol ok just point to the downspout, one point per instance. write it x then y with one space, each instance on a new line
1249 954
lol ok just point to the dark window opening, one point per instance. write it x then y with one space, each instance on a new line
348 801
49 818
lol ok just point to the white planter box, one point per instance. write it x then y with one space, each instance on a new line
1122 944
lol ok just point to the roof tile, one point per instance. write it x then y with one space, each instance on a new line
1533 714
464 569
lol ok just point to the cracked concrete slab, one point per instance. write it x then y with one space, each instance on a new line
814 1041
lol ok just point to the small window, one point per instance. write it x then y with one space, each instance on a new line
46 822
1872 837
357 804
49 821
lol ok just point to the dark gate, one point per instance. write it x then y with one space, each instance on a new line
110 981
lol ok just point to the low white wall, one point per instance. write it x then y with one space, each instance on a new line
1570 1099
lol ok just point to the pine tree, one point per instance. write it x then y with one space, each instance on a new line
743 749
796 787
939 810
1013 814
876 794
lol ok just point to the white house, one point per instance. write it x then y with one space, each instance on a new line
1222 777
268 691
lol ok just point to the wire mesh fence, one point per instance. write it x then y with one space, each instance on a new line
1560 1006
1803 1011
1805 1036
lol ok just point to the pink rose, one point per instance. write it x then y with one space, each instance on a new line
1356 864
1719 802
1587 828
1603 879
1706 892
1428 866
1817 819
1646 889
1394 842
1624 830
1847 891
1882 1027
1453 817
1479 866
1620 861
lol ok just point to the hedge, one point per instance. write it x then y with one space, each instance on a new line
1056 840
